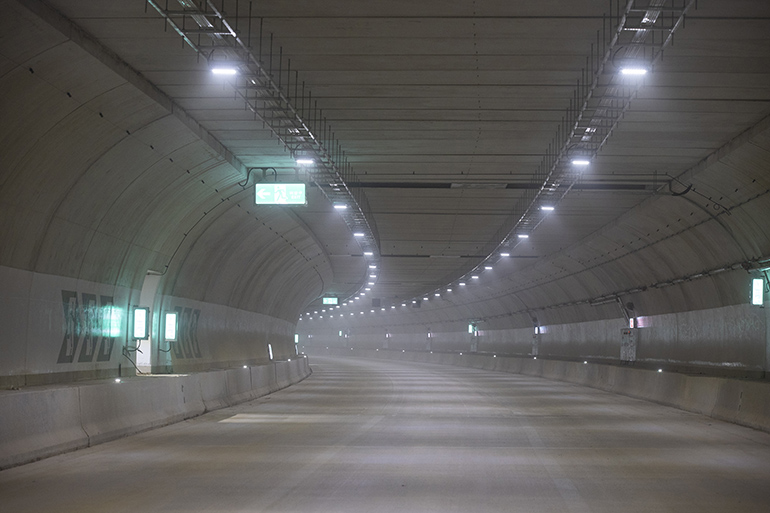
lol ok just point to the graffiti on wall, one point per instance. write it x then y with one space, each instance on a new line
91 325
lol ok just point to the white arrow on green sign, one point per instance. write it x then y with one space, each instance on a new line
280 193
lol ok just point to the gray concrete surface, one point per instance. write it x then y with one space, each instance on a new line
369 436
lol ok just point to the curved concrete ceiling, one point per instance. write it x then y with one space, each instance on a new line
445 112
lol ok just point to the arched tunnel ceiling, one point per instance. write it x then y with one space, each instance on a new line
446 110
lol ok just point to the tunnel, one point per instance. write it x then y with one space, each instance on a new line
344 256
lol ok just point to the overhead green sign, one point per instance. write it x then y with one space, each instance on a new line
280 193
330 300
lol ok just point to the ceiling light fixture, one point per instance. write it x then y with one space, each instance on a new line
547 208
224 71
633 71
580 162
305 162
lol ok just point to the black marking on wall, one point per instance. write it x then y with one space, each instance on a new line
87 326
186 345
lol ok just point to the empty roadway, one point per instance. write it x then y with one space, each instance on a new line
372 436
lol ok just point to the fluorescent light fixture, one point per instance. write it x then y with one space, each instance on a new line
547 208
117 380
757 291
368 253
358 234
392 307
171 326
305 162
370 283
372 275
245 366
372 267
580 162
523 236
222 70
462 284
634 71
270 351
367 288
488 267
141 323
426 298
449 290
340 207
437 294
505 254
474 277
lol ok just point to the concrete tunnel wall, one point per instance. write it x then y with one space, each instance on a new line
101 182
685 263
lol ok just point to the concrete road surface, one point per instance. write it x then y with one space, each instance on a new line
369 436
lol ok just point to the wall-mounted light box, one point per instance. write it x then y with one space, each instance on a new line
330 301
141 323
171 326
757 291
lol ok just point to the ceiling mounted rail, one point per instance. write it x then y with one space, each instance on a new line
272 91
633 38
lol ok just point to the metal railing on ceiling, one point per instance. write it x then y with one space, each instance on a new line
275 96
633 36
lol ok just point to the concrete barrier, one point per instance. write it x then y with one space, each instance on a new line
738 401
39 422
43 421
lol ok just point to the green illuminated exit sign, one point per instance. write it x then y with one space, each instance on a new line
330 300
280 194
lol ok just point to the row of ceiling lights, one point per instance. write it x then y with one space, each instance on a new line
579 162
462 283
